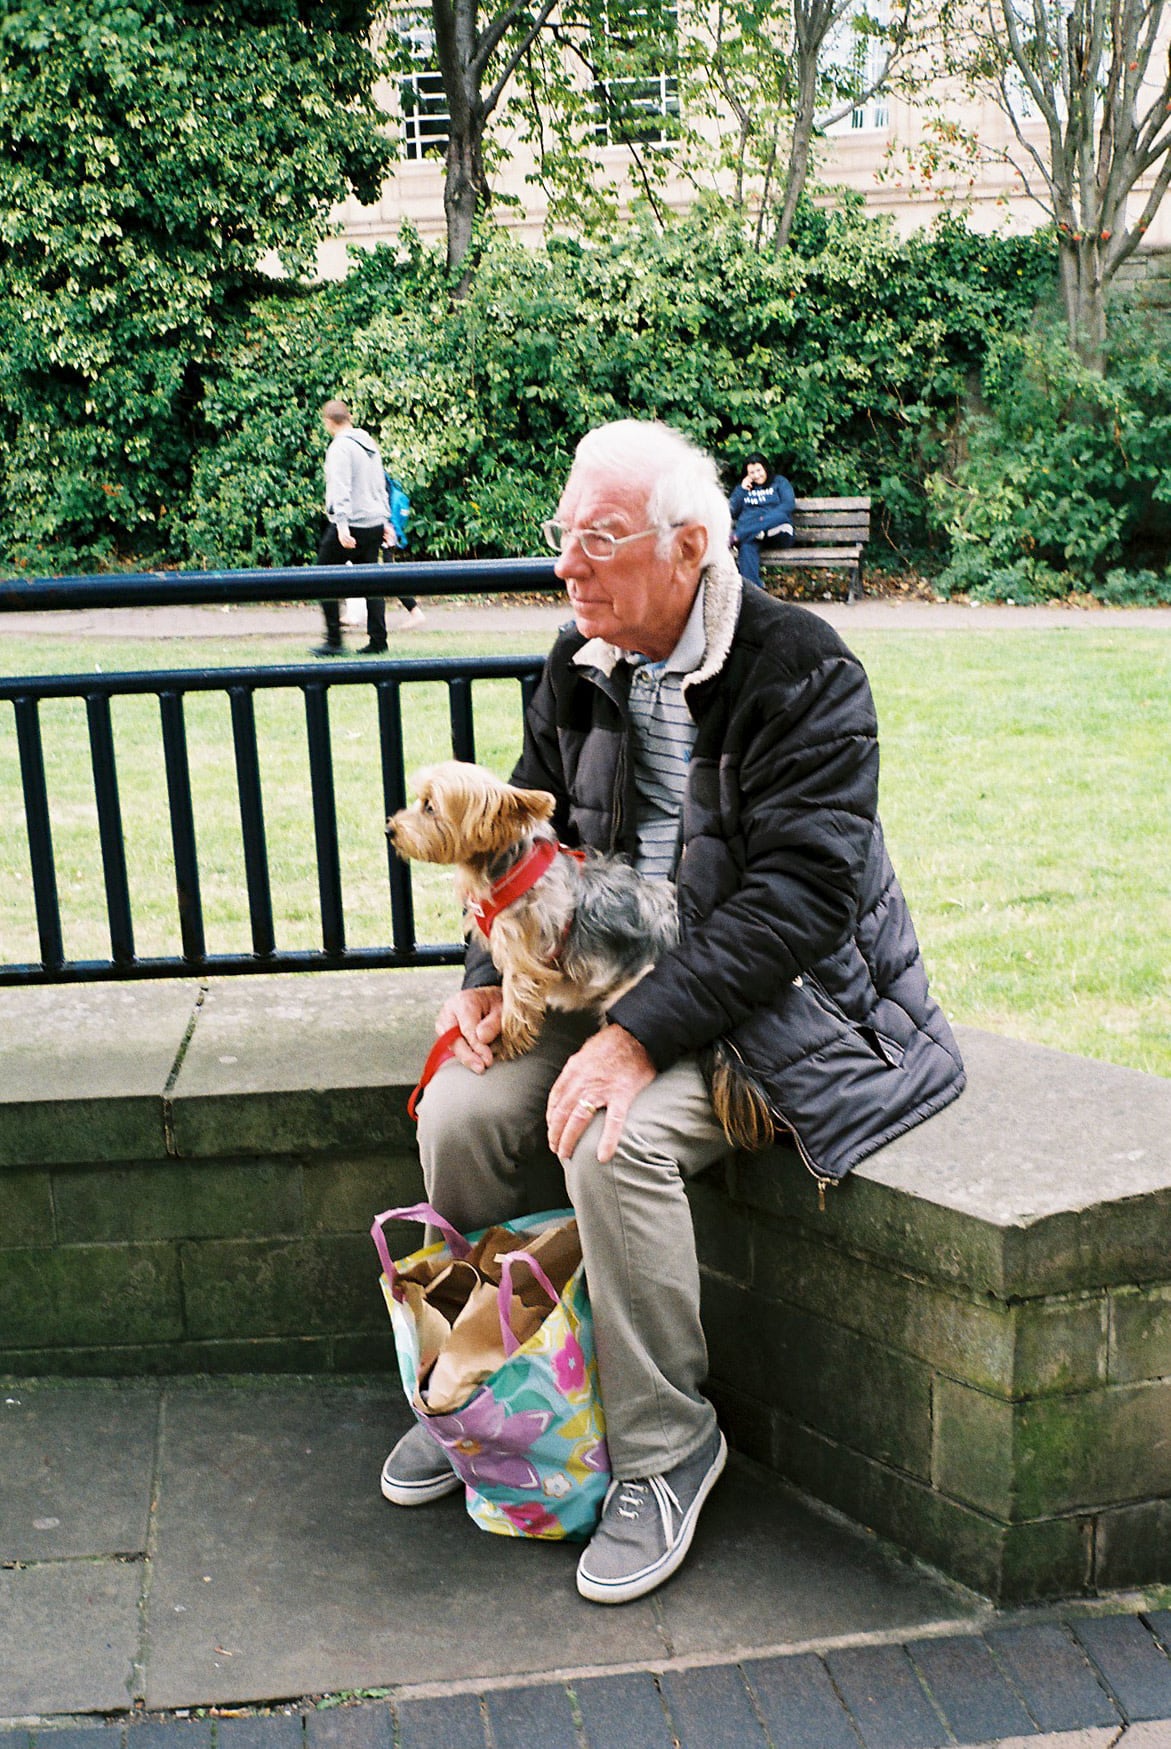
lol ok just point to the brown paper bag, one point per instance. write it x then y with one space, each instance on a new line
474 1349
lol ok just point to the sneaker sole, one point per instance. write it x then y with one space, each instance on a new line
638 1584
419 1493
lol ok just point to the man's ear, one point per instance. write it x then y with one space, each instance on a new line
691 545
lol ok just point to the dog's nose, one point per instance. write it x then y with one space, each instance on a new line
390 827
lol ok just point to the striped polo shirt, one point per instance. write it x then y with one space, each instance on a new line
662 735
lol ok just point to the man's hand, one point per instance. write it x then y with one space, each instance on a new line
609 1070
478 1014
346 540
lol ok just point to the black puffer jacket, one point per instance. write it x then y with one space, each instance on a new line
797 946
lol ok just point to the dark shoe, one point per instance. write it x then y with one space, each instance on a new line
373 650
328 650
417 1470
647 1526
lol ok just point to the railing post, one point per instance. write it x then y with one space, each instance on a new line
182 815
40 832
329 872
105 770
394 795
252 819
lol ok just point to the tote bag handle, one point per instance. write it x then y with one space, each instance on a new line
417 1211
509 1339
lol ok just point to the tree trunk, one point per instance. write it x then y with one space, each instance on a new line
797 173
1083 292
465 191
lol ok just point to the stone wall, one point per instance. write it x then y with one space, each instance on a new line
968 1349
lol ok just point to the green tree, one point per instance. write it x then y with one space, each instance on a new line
1085 87
154 155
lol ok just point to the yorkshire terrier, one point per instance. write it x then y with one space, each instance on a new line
566 929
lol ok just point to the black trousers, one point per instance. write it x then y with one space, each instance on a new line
331 552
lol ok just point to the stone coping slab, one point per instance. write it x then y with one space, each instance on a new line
1050 1174
84 1069
280 1063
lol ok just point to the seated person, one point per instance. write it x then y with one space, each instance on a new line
762 509
725 740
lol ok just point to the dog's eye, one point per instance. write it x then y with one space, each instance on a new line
427 808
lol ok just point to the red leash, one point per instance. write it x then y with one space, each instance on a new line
440 1053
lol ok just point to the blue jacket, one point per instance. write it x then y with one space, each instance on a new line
758 511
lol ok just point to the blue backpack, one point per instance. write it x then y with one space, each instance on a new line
400 510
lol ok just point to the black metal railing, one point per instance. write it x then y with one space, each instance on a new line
389 680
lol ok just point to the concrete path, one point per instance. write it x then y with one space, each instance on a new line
187 1557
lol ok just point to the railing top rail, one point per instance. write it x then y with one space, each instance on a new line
436 668
288 583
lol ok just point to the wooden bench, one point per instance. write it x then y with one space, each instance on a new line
829 534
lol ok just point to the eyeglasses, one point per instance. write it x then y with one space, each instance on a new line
595 543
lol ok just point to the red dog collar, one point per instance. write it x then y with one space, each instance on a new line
519 880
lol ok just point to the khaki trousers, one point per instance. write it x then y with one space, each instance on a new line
485 1158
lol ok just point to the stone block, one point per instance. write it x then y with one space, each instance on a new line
1140 1333
83 1069
81 1295
1102 1448
1133 1546
971 1338
850 1388
973 1455
321 1062
139 1360
178 1201
26 1209
1011 1564
253 1287
724 1231
1061 1345
343 1196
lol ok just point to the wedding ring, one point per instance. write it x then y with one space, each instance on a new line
585 1105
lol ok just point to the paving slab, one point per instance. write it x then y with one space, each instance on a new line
274 1060
969 1690
110 1049
621 1710
712 1705
75 1470
886 1699
69 1635
1054 1677
765 1571
798 1703
281 1571
1136 1668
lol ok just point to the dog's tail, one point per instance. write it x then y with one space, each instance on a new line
737 1101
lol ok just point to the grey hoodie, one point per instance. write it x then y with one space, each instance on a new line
355 485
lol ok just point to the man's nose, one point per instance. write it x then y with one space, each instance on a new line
571 560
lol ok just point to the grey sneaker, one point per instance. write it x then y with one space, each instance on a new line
417 1470
647 1526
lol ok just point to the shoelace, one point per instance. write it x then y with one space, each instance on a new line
632 1497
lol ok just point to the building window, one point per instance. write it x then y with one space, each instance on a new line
854 60
634 108
426 123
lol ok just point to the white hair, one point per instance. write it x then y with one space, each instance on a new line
681 479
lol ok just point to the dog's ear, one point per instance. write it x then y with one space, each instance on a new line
528 807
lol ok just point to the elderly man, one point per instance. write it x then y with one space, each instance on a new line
727 740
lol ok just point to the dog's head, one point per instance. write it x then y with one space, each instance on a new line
463 813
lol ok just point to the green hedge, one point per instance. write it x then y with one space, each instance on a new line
848 357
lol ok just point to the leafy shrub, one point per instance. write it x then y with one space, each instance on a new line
1067 473
845 358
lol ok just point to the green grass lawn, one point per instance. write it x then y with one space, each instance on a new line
1025 794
